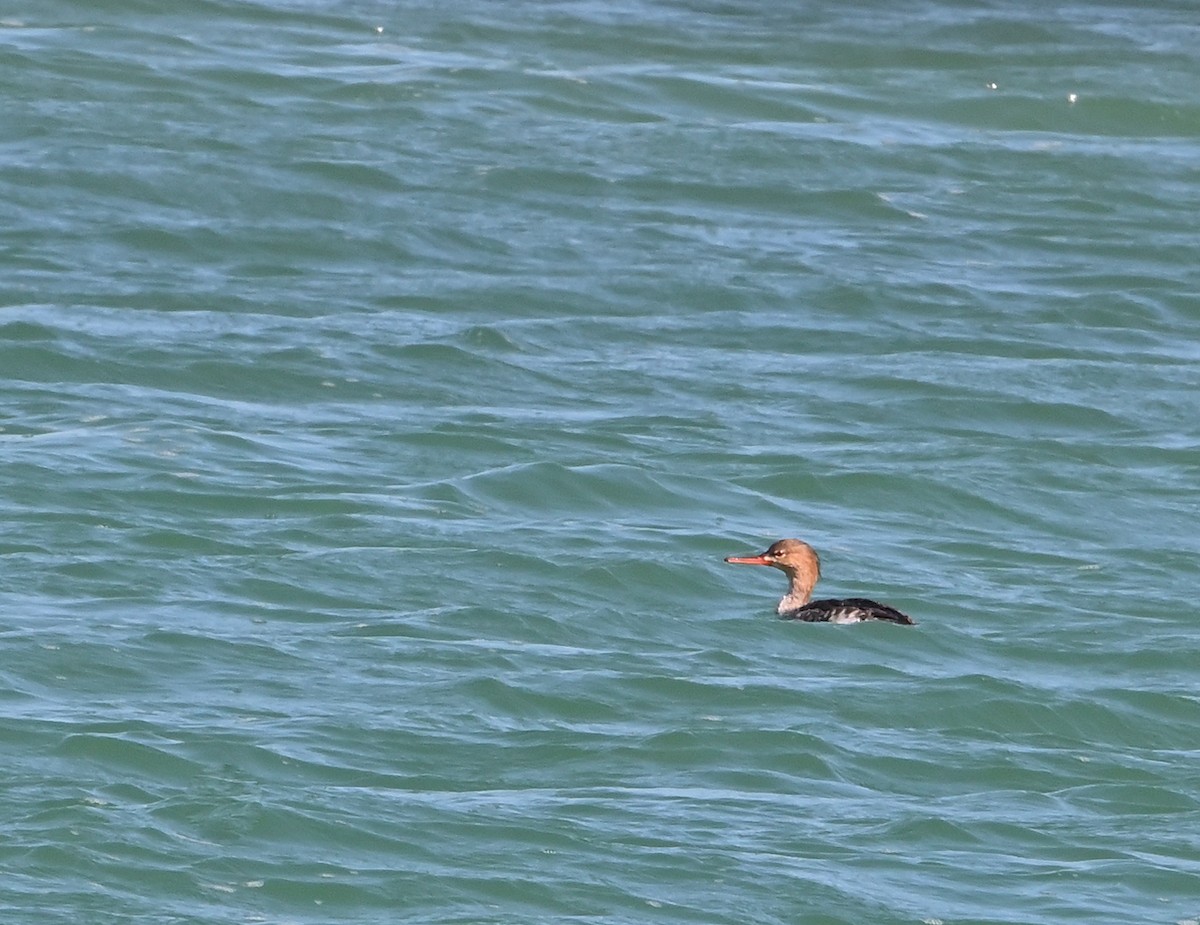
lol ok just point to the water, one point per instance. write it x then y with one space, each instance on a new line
382 386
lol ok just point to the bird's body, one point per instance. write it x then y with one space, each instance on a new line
800 563
846 610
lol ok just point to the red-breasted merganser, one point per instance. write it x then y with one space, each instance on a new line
800 563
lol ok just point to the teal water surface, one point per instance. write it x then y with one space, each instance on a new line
382 385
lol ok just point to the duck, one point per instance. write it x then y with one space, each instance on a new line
800 562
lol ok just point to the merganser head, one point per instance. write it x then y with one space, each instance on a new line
797 560
788 555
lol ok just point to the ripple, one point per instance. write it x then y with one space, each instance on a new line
382 399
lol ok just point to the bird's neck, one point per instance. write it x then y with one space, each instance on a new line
799 593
